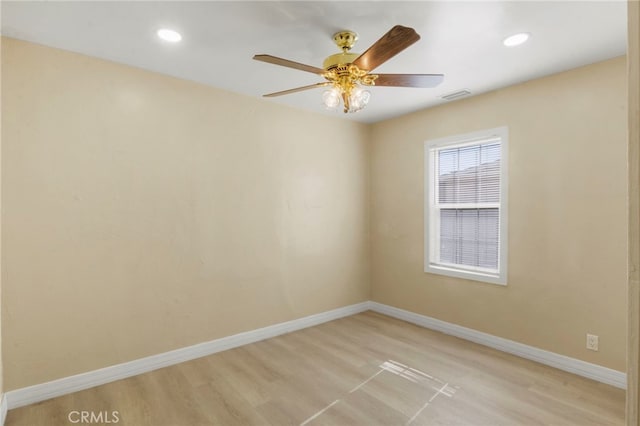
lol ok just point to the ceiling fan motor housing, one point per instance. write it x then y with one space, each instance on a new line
345 41
338 59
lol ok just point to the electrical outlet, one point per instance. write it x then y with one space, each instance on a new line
592 342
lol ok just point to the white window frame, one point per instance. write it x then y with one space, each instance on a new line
432 218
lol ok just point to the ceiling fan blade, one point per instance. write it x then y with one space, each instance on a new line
395 41
409 80
287 63
297 89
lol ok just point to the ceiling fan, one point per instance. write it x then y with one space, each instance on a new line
347 72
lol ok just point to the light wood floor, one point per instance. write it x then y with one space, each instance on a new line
367 369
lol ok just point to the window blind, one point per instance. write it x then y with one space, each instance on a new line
467 204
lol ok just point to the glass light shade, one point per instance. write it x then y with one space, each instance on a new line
331 98
359 99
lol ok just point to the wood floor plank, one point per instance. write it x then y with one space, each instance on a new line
359 408
224 406
367 369
410 392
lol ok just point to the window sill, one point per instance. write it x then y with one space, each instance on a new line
469 275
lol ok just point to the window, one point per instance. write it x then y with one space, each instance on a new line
466 206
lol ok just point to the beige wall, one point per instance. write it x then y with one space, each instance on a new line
1 370
144 213
567 214
633 343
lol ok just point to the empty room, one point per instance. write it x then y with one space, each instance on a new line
320 213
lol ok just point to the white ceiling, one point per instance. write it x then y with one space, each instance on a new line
462 40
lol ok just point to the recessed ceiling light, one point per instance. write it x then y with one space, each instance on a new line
169 35
516 39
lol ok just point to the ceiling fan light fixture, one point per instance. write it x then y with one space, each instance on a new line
354 98
516 39
169 35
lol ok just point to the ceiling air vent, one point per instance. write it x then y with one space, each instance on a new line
456 95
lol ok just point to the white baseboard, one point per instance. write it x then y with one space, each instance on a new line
3 409
36 393
562 362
